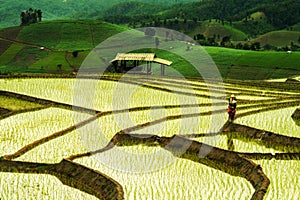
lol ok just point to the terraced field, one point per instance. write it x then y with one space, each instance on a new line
147 137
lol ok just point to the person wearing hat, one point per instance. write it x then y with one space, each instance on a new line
232 107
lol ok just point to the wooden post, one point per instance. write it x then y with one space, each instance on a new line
149 68
162 69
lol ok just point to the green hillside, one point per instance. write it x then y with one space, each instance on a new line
254 18
245 65
279 38
215 29
43 47
242 64
296 27
49 47
62 9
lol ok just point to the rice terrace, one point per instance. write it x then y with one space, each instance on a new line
142 100
253 158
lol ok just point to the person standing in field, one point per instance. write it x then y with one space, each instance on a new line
231 107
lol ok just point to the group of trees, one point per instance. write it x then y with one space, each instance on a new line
225 41
30 16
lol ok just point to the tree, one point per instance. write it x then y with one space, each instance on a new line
39 13
255 46
200 37
239 46
24 20
225 40
59 67
30 16
211 41
75 54
246 46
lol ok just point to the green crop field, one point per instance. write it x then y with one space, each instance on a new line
39 48
241 64
60 38
211 29
279 38
82 119
54 128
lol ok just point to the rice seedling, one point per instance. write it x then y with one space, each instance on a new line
145 172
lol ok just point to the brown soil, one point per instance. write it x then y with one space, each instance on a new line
4 45
224 160
266 138
296 114
4 111
11 33
46 102
7 35
72 174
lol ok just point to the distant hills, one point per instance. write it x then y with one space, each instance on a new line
271 23
62 9
254 17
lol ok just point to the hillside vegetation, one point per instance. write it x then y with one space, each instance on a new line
49 46
60 9
279 38
253 18
61 47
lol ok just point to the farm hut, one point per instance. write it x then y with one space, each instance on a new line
137 62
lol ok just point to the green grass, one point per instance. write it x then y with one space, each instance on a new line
62 36
258 16
228 56
179 65
49 64
15 104
65 36
210 29
103 30
46 34
27 56
296 27
279 38
69 34
236 64
245 65
255 26
10 53
75 36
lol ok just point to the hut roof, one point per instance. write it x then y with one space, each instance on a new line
141 57
135 56
162 61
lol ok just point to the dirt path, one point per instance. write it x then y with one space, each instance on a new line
25 43
71 174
